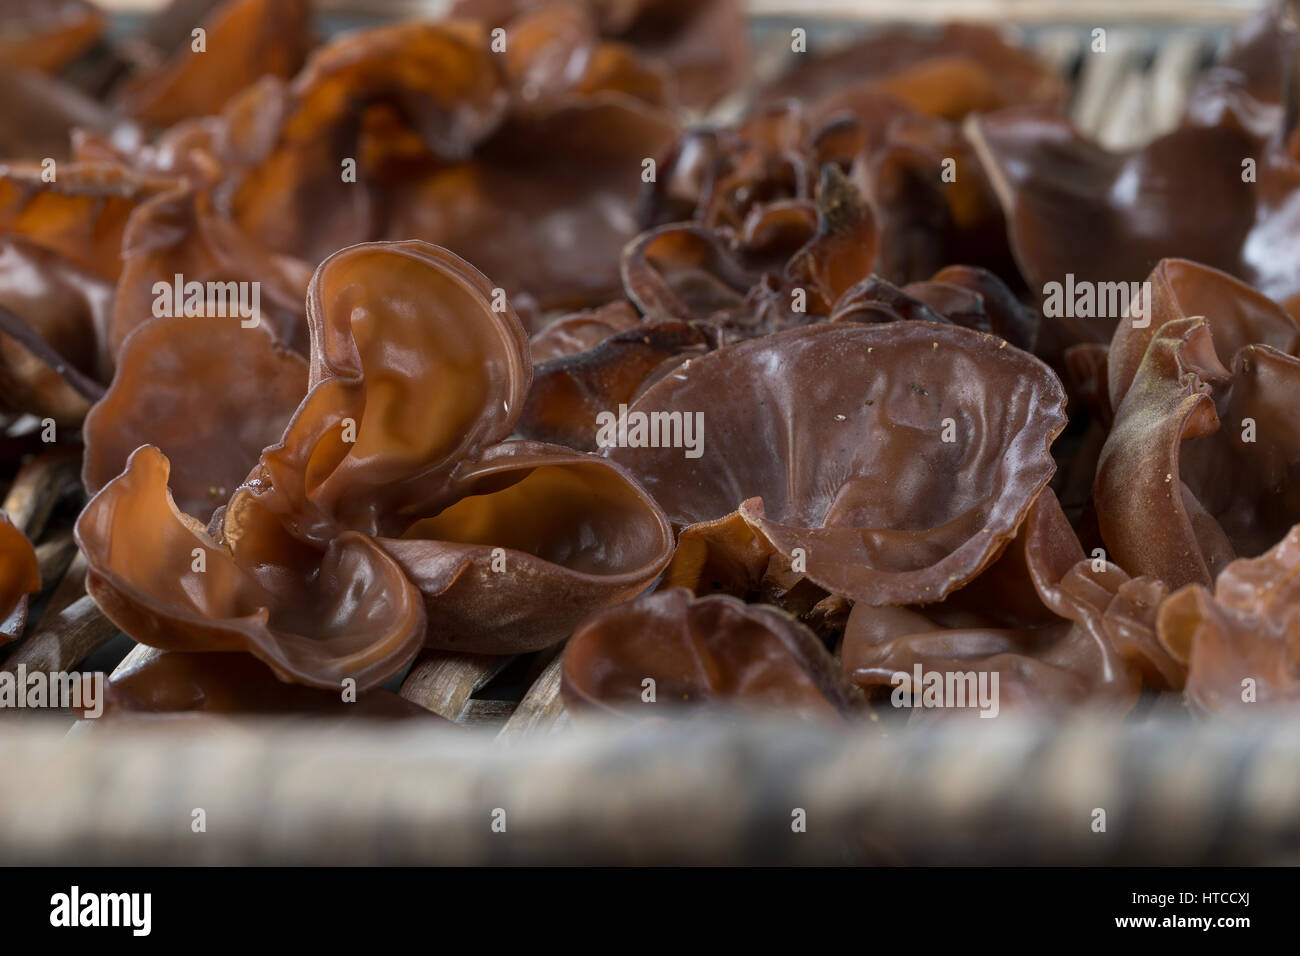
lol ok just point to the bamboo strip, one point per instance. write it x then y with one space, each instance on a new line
140 654
54 555
63 638
1173 74
864 11
40 484
1059 47
71 586
492 713
698 791
1127 124
443 681
1005 11
1101 77
541 708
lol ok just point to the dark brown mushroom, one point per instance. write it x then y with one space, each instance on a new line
244 40
703 43
208 392
46 34
897 458
956 70
53 323
1057 629
540 195
669 650
1201 463
314 562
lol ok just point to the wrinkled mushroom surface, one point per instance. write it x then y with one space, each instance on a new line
390 512
1057 628
1241 641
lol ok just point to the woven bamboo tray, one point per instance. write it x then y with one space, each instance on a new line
692 792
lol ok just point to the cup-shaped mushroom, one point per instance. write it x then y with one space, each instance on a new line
1043 628
1129 210
888 463
438 77
314 616
52 319
534 539
81 213
244 40
46 34
416 363
947 72
1236 315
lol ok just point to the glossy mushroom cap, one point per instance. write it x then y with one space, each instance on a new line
387 514
897 458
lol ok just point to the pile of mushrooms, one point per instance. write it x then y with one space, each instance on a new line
761 413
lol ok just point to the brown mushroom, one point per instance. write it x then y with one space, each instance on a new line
878 452
1240 642
1056 628
243 41
1200 465
669 649
20 576
391 475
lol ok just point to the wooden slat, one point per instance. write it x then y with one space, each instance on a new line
541 709
1059 47
63 639
865 11
1010 11
140 654
492 713
695 791
1102 76
443 681
54 555
1173 74
1126 123
41 483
